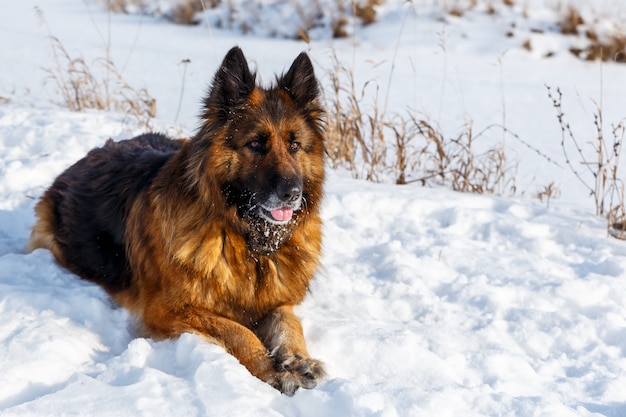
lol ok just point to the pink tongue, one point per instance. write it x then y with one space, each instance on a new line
282 214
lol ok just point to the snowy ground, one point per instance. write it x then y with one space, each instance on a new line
429 303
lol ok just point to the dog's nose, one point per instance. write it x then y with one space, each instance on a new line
289 191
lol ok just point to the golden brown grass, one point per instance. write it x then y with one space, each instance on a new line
185 12
607 47
122 6
99 85
548 193
375 144
571 21
367 10
354 136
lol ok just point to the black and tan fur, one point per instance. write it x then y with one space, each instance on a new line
218 235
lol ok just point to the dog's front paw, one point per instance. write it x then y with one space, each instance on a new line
296 371
285 382
307 372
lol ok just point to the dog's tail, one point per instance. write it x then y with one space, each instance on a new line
42 233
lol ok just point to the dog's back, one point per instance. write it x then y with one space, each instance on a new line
83 214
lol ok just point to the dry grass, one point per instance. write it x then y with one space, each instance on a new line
98 86
606 47
123 6
598 44
610 48
185 12
374 144
548 193
571 21
366 12
459 8
355 139
601 176
462 163
342 13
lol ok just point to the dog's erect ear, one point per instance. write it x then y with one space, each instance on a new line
233 82
300 81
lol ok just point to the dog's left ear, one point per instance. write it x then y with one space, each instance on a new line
300 81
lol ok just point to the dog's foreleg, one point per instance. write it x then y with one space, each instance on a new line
281 333
235 338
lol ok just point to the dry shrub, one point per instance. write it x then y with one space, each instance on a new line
313 14
115 5
460 164
610 48
455 11
601 176
99 86
123 6
599 43
375 144
571 20
606 47
354 138
548 192
367 11
184 13
459 8
338 27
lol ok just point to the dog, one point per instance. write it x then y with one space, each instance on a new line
219 234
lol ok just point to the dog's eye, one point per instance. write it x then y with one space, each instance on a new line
258 143
294 147
255 145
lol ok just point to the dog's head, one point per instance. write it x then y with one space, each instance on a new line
264 146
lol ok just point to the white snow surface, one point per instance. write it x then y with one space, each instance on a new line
429 302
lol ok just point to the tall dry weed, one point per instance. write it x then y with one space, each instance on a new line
98 86
355 140
601 175
459 163
377 145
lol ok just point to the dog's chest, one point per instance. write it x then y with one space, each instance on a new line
246 291
225 277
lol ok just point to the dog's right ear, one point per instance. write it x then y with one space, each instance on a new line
233 82
300 82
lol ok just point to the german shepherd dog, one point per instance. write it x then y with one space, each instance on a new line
218 235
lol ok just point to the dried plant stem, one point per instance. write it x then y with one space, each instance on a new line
373 144
607 188
97 86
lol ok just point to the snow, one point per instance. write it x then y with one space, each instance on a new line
429 302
